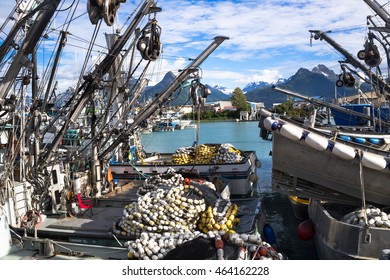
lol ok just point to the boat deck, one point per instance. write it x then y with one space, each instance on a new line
96 229
107 209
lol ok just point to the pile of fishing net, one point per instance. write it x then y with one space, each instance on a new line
375 217
176 211
206 154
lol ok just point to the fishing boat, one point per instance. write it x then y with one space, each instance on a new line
169 121
342 169
60 195
310 164
205 160
349 238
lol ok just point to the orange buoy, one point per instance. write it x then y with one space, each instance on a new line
306 230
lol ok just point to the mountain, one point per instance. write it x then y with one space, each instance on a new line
224 90
259 85
322 69
218 94
320 81
181 96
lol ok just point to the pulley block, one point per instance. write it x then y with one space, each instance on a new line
348 79
106 9
149 44
372 56
204 92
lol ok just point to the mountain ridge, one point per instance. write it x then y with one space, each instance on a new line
320 81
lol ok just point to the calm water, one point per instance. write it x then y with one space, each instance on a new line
244 136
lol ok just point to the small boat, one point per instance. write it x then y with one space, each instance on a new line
169 121
337 239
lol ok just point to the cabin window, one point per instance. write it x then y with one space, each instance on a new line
54 177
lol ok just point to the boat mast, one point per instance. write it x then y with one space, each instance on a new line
9 42
350 59
378 9
93 79
46 12
149 110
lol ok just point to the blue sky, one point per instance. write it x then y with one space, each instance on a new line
268 39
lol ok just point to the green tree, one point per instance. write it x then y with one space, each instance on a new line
288 109
239 100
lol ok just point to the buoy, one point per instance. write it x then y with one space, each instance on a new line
269 234
375 141
306 230
344 151
345 137
317 142
253 178
360 140
373 161
292 132
270 124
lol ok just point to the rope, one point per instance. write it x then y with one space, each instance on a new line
360 153
361 175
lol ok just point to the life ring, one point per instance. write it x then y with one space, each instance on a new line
31 218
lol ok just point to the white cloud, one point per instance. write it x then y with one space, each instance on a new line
266 75
268 39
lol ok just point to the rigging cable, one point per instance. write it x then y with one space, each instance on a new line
10 16
119 107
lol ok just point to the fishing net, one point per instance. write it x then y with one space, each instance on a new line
201 249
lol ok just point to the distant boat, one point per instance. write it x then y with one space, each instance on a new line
169 121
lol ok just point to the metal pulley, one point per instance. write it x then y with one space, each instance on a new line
370 54
346 79
95 8
194 92
106 9
149 44
204 92
8 105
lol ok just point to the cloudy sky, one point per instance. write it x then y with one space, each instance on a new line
268 39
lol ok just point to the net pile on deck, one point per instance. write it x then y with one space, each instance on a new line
205 154
174 212
375 217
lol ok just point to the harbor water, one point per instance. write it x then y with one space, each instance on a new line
244 136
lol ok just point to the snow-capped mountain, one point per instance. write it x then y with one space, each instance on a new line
259 85
225 90
323 70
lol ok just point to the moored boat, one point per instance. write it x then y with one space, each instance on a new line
344 168
310 164
240 168
337 238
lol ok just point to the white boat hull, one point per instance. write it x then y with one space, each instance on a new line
241 175
329 166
